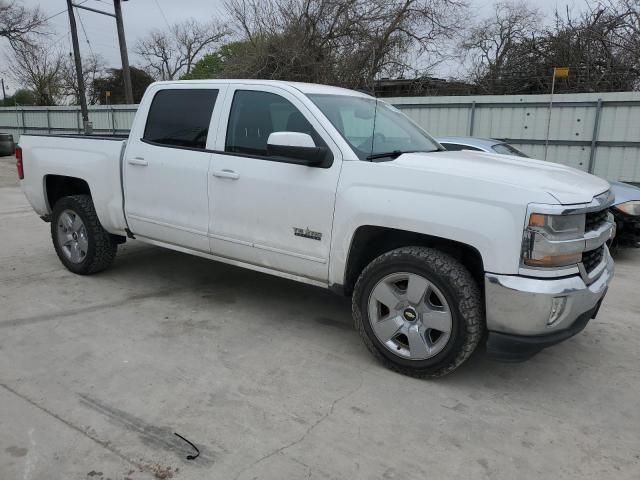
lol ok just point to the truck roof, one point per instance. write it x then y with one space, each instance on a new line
307 88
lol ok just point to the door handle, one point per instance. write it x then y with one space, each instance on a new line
138 161
226 174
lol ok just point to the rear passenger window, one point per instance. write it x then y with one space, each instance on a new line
255 115
180 117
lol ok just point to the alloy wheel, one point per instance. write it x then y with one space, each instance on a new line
410 316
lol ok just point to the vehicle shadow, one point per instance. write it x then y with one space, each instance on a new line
219 283
315 309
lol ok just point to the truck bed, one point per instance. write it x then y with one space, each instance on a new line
92 158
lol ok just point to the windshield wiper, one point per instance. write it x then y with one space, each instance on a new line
396 153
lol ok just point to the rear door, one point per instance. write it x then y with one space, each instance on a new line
166 166
269 211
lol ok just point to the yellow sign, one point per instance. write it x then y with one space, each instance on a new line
560 72
107 93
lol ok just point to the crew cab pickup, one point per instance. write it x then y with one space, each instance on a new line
439 250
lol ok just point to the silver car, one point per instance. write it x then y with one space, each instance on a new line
479 144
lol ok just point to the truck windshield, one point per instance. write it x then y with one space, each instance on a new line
374 129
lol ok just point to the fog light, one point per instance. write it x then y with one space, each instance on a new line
557 307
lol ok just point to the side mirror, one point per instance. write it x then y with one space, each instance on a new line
295 146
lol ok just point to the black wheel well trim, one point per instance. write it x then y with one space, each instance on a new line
58 186
370 241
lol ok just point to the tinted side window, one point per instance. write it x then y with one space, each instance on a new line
255 115
454 147
180 117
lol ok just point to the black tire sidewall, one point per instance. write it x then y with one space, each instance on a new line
71 203
458 331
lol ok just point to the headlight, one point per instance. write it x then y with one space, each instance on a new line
553 240
630 208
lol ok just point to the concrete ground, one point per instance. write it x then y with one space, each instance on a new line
270 381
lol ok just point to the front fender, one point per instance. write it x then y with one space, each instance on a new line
478 214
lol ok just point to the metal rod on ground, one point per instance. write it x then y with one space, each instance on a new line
78 62
126 73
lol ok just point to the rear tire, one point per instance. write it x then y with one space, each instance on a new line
82 245
419 311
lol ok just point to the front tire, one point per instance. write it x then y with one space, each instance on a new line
82 245
419 311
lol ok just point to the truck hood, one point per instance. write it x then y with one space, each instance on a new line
567 185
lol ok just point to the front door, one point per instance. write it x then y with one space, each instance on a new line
166 171
265 210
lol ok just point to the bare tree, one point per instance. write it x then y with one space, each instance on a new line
346 42
490 43
618 23
170 54
515 55
38 68
603 43
92 67
628 37
17 22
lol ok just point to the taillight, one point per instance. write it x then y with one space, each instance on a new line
19 165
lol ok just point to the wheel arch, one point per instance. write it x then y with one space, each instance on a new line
370 241
58 186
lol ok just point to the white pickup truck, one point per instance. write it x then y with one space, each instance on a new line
439 250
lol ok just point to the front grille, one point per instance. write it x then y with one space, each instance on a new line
595 220
592 258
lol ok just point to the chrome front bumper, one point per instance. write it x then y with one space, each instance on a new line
522 306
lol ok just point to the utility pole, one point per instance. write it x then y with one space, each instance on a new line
76 55
4 94
126 73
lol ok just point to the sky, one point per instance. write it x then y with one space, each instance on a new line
140 16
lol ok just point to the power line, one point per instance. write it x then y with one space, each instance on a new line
163 15
59 13
85 34
60 37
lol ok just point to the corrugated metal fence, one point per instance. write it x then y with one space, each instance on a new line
115 120
597 132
